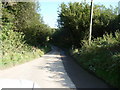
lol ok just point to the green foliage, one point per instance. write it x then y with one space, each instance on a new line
115 24
13 48
37 34
102 19
25 18
24 35
102 57
26 15
74 21
61 36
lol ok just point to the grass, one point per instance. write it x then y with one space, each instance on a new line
102 58
14 49
14 58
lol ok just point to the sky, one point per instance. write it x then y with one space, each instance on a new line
49 8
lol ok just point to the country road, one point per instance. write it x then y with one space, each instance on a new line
53 70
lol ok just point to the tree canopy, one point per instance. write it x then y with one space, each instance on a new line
74 21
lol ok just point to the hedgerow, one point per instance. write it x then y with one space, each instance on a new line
102 57
14 48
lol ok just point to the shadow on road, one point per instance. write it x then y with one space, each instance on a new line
54 66
80 77
61 66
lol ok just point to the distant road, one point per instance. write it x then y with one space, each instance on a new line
53 70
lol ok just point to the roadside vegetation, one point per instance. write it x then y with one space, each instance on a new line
23 34
102 56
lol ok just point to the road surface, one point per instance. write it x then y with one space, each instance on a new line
53 70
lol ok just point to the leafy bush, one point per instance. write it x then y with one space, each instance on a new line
22 31
102 57
14 49
73 23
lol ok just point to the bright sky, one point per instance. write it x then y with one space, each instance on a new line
49 8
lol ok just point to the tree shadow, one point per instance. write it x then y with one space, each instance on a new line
61 66
55 67
80 77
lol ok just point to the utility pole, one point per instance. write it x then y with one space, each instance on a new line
119 8
91 15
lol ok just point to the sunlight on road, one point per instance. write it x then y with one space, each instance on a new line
47 71
49 55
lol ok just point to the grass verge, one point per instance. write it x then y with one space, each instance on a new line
12 58
102 58
14 49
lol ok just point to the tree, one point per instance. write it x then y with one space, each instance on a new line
26 19
74 19
102 18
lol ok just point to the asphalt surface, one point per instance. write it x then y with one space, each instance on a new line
47 72
80 77
54 70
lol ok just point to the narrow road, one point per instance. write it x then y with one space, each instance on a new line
53 70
